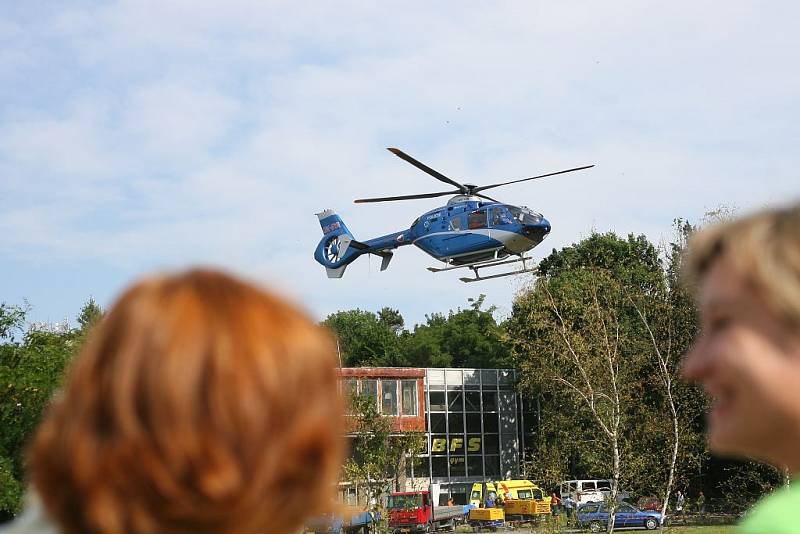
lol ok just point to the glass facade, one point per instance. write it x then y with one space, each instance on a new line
473 427
476 425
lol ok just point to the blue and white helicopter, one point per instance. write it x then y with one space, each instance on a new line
472 231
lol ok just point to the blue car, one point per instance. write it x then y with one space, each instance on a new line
595 516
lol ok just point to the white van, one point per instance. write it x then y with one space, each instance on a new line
590 490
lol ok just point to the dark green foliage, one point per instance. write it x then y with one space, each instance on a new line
365 339
89 315
467 337
32 365
463 338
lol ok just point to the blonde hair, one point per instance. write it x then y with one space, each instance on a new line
764 247
199 404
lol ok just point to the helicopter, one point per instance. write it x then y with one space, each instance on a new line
473 231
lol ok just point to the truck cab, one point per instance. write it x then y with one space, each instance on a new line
413 511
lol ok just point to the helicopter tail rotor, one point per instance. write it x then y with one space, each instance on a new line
338 247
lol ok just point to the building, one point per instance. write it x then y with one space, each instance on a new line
475 424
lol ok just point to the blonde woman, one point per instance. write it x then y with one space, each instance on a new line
747 274
200 404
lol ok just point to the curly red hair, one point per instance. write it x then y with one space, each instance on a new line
199 404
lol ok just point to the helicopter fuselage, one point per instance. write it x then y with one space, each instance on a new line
469 230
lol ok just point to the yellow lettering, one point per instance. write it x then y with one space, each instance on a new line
438 445
455 444
474 445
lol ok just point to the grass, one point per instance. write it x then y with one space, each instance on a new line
718 529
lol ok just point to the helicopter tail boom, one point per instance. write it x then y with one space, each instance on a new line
338 248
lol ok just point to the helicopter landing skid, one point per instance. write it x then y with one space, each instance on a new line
476 267
478 277
485 263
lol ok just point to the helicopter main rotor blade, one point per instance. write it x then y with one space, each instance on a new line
407 197
421 166
485 187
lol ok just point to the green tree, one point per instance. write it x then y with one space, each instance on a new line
378 453
364 339
467 337
392 319
599 338
90 314
31 369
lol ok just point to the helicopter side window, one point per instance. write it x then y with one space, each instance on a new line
455 223
476 219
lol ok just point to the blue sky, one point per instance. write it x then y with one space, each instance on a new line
138 136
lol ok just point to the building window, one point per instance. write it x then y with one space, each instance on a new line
456 422
437 403
490 423
489 401
369 388
439 467
389 392
458 466
475 466
473 401
474 423
455 401
350 387
491 466
438 423
490 444
409 391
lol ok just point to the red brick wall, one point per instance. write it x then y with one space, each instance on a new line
401 423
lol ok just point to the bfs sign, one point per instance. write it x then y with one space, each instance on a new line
456 445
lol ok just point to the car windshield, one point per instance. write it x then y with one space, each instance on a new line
404 502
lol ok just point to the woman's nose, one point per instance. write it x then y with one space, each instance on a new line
696 362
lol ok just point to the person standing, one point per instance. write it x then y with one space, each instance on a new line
679 501
701 503
746 274
555 505
569 507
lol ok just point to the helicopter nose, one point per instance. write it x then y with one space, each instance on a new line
537 231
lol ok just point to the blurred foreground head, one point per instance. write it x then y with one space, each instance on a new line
200 404
747 357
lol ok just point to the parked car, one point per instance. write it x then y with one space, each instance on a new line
649 503
595 516
589 490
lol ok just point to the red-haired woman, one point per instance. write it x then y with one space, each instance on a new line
200 404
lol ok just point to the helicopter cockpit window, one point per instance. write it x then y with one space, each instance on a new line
476 219
455 223
525 215
500 216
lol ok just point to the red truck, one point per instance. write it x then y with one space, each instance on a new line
412 511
